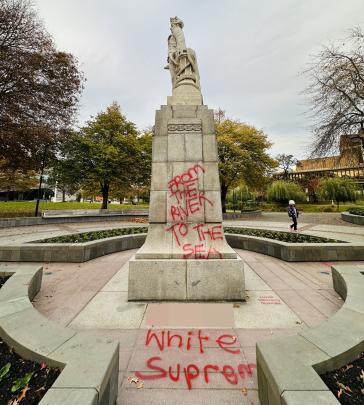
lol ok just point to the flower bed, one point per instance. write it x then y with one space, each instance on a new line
91 236
347 383
3 280
289 237
22 382
357 211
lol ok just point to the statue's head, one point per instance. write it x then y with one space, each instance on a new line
176 21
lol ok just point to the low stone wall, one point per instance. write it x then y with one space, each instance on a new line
29 221
288 368
354 219
90 213
242 215
297 252
82 252
36 338
69 252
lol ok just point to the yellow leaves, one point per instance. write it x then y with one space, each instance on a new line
134 380
22 395
347 367
361 376
344 389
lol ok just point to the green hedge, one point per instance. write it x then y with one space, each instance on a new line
290 237
357 211
95 235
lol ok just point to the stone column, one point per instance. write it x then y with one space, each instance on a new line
185 256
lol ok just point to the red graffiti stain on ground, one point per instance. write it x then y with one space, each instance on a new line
269 300
188 373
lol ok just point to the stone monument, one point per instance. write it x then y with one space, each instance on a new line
185 256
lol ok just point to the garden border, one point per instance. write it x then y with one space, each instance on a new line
297 252
82 252
70 252
240 215
30 221
36 338
354 219
288 368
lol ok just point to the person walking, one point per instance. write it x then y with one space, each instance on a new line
293 213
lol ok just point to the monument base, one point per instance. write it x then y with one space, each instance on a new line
186 280
185 94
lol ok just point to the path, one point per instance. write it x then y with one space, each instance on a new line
210 348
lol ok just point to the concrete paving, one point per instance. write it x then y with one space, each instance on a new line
189 353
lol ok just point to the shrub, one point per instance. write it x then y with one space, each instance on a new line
327 209
282 191
281 236
338 189
357 211
94 235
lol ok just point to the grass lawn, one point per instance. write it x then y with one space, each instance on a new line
310 207
12 209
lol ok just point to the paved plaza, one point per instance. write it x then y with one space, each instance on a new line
189 353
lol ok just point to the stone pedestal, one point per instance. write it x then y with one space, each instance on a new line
185 256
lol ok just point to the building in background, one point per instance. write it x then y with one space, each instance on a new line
349 163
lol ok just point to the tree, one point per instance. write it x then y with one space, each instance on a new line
104 152
282 191
337 92
242 152
39 88
15 180
63 176
310 183
285 162
338 189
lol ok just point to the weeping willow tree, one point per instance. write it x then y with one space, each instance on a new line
338 189
282 191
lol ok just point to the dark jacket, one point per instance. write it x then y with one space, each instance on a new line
293 212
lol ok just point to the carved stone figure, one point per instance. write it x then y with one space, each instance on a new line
182 62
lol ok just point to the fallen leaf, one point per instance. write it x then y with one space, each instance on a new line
23 393
133 380
140 384
236 306
244 391
347 367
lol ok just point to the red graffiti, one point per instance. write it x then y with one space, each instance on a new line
269 300
164 340
213 232
197 341
200 252
183 189
204 233
192 371
184 185
187 200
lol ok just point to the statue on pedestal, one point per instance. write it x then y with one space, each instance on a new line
182 62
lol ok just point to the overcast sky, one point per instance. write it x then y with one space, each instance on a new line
250 55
